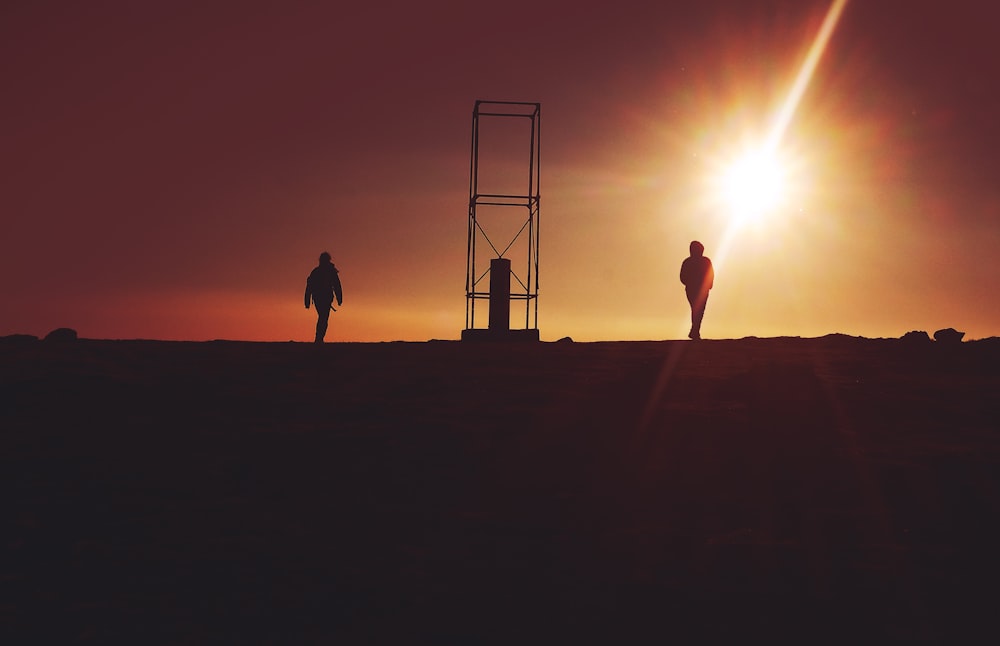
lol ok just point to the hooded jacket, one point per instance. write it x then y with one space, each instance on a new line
697 274
323 285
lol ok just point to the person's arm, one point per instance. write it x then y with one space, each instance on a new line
307 294
338 291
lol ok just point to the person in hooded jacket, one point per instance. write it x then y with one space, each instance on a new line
697 276
322 286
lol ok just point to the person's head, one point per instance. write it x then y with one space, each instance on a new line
697 249
324 257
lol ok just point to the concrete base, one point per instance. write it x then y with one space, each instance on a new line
502 336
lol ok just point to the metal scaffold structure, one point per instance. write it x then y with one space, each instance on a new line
504 200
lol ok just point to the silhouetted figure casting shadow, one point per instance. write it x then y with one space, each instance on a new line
322 286
697 275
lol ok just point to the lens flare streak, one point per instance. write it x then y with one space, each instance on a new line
805 74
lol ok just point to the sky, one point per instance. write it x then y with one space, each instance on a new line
172 170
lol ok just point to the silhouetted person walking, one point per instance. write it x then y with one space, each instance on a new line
697 276
322 286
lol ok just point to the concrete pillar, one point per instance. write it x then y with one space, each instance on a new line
500 294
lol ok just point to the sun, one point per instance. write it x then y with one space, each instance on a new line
752 185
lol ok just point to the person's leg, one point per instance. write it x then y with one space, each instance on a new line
697 302
697 314
322 320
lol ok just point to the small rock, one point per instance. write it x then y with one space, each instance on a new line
948 335
61 334
18 339
916 336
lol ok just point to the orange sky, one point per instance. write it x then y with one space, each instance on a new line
174 172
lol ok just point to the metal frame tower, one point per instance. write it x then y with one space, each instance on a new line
520 201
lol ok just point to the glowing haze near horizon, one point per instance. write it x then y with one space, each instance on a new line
172 171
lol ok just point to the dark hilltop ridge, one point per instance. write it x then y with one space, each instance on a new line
820 490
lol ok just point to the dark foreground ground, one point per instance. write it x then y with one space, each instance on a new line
826 490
